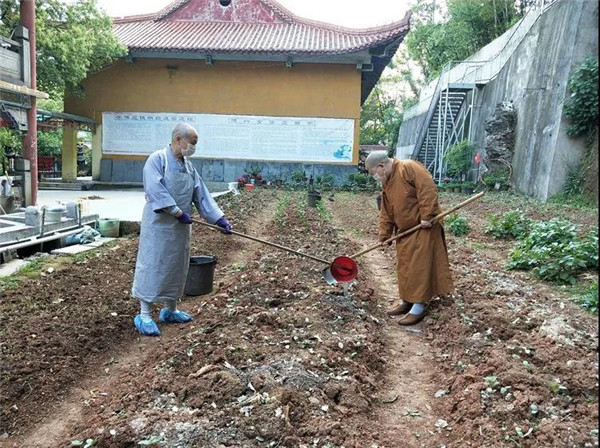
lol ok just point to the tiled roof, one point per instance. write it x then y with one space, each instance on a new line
260 26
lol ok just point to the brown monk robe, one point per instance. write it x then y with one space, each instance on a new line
409 197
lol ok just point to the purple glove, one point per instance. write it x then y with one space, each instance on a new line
224 224
185 218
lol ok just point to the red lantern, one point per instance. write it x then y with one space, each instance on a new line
477 158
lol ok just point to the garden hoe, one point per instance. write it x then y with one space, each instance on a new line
329 279
343 269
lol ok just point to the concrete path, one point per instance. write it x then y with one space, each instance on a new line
125 205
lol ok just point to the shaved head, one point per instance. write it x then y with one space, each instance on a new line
185 131
375 158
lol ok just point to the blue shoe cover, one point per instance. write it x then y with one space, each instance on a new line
174 317
146 328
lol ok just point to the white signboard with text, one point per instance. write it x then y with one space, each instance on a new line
285 139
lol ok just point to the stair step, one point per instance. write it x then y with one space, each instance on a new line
59 186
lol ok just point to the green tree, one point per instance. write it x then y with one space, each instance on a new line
397 90
468 26
380 119
50 143
73 40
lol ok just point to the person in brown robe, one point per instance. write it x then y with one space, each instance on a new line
410 197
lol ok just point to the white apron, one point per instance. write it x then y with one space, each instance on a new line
164 251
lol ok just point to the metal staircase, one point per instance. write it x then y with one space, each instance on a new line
448 123
451 104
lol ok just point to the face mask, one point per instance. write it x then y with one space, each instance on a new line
377 177
189 151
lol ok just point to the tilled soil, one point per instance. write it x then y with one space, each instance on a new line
276 357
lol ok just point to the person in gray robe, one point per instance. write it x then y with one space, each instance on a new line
172 185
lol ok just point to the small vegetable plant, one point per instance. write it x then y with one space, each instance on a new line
457 225
513 224
553 251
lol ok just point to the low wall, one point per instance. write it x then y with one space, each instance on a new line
214 170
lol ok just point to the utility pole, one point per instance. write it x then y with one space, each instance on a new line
27 11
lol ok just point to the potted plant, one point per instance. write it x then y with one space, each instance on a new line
254 175
459 159
497 180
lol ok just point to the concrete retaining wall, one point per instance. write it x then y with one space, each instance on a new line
535 79
409 130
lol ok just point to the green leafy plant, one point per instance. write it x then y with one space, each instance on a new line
326 181
491 381
581 108
254 172
324 214
459 159
9 141
457 225
513 224
359 182
281 208
553 251
589 300
298 176
500 176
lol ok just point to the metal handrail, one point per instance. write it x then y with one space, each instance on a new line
430 111
538 9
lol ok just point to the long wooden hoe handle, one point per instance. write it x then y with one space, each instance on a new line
258 240
417 227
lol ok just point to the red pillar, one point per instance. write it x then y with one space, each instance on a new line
30 140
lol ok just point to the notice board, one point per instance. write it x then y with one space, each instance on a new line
247 137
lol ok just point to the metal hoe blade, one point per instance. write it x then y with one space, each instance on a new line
326 273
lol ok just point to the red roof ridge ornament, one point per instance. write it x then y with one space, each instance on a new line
285 14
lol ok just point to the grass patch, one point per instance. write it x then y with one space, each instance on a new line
324 214
9 282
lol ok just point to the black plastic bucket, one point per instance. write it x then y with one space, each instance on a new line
313 198
200 275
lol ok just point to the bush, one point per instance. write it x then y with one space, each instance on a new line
554 252
459 159
512 224
457 225
359 182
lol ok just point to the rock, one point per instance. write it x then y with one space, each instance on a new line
441 424
499 137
